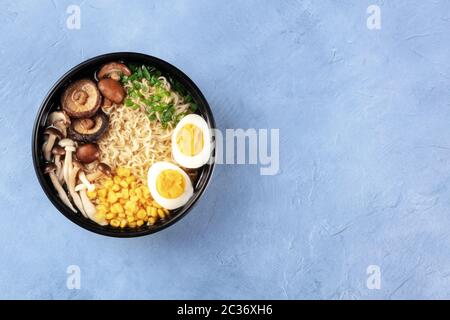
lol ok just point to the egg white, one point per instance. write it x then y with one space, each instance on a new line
169 204
202 157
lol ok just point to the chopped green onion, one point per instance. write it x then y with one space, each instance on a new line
128 102
148 102
133 94
153 105
167 115
139 73
193 107
145 73
133 77
159 107
153 80
137 85
133 67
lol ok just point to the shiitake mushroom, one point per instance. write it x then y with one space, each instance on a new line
88 153
112 90
81 99
113 70
89 129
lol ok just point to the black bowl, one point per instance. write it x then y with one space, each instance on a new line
51 103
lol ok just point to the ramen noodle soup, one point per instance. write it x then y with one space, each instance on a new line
125 147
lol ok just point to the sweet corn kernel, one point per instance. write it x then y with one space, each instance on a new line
132 224
115 187
117 208
141 214
101 208
123 172
110 216
154 212
151 220
117 179
134 199
112 197
139 223
108 184
161 213
124 184
131 206
130 219
130 179
122 215
99 216
155 204
119 171
101 193
92 194
125 194
138 192
115 223
123 223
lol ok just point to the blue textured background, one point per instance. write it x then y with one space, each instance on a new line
364 149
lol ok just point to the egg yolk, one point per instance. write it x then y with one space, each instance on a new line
170 184
190 140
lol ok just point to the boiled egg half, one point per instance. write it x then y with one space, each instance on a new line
191 142
169 185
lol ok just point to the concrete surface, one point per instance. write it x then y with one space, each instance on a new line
364 151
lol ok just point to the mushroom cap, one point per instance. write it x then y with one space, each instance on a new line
113 68
61 127
87 123
49 168
57 116
81 99
54 131
112 90
66 143
58 150
104 168
88 153
80 131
